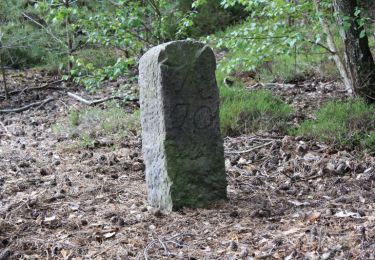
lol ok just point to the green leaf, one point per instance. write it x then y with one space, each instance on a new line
362 34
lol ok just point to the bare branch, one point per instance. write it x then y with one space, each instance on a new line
43 27
24 108
322 46
98 101
249 150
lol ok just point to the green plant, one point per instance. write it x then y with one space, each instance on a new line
284 67
272 28
244 111
73 118
86 141
86 126
131 27
17 39
92 76
348 124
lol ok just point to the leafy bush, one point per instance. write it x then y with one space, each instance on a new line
186 18
92 76
348 124
279 59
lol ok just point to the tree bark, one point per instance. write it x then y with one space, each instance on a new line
69 39
332 47
3 72
6 91
358 57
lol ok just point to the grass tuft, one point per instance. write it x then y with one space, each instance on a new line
349 124
89 124
243 111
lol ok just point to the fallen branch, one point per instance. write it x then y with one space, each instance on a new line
45 86
249 150
24 108
98 101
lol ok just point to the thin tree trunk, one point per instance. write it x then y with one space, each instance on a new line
69 37
334 51
3 72
358 57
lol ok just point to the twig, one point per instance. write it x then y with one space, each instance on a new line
322 46
256 85
166 250
5 128
279 84
24 108
257 38
98 101
163 242
249 150
43 27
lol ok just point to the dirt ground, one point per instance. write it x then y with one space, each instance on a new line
289 198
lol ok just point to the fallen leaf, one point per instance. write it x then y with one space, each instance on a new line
73 206
347 214
109 235
291 231
241 161
314 216
289 257
298 203
49 219
64 253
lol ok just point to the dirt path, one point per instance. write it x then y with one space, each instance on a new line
288 198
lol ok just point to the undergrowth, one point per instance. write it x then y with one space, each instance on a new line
243 111
347 124
88 126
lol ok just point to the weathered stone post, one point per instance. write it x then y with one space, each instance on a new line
181 142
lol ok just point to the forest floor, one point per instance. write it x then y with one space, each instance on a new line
289 198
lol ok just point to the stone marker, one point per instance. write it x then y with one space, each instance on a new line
181 142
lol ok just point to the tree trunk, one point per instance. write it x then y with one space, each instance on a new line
358 57
340 64
69 42
3 72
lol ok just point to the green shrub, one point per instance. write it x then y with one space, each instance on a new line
349 124
98 57
20 58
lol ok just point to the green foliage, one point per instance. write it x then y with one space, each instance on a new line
193 19
18 39
273 28
304 61
244 111
349 124
281 40
76 26
88 125
92 76
122 26
73 117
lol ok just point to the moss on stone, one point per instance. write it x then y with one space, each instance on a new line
196 173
